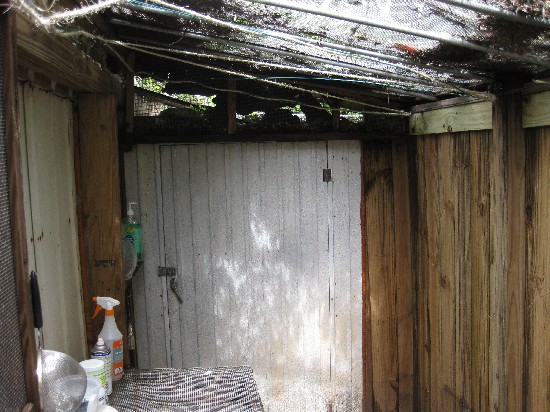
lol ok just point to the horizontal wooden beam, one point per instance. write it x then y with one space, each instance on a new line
536 110
61 61
465 117
447 103
266 137
536 86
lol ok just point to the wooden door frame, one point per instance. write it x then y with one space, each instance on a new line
15 183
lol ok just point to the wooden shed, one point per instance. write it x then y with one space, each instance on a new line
349 197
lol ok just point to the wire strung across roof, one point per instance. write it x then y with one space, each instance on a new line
403 48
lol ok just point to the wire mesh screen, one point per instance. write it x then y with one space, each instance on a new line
12 380
195 389
259 108
160 115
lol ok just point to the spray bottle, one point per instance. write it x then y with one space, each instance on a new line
131 229
110 333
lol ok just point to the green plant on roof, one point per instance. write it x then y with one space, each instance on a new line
293 109
149 83
197 102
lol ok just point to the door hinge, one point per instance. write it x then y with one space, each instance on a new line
327 175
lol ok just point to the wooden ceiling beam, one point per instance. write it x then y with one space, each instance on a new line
93 22
61 61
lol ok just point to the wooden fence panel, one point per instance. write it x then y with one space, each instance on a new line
481 231
537 328
477 208
452 257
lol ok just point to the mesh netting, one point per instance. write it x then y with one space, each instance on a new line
295 63
195 389
12 380
426 46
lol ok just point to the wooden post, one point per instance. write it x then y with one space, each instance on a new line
15 183
509 107
99 177
335 106
231 107
380 249
129 94
498 266
508 269
480 252
403 274
82 214
368 392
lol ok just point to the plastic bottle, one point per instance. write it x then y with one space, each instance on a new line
95 368
131 229
102 352
110 334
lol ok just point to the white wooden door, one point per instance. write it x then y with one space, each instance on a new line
268 260
49 190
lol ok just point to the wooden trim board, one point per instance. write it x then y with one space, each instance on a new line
474 116
60 61
536 110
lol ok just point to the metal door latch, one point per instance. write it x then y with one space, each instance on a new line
171 273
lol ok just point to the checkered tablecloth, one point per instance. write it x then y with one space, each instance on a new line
195 389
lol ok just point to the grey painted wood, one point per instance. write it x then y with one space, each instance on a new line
167 249
138 282
151 289
201 233
338 157
187 354
268 257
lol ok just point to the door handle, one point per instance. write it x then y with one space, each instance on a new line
174 288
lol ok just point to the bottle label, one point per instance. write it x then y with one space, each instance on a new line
118 364
100 374
133 234
105 356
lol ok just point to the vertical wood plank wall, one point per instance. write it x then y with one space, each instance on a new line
453 248
537 288
388 341
480 231
456 289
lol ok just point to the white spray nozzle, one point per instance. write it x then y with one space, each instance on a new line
130 212
106 302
